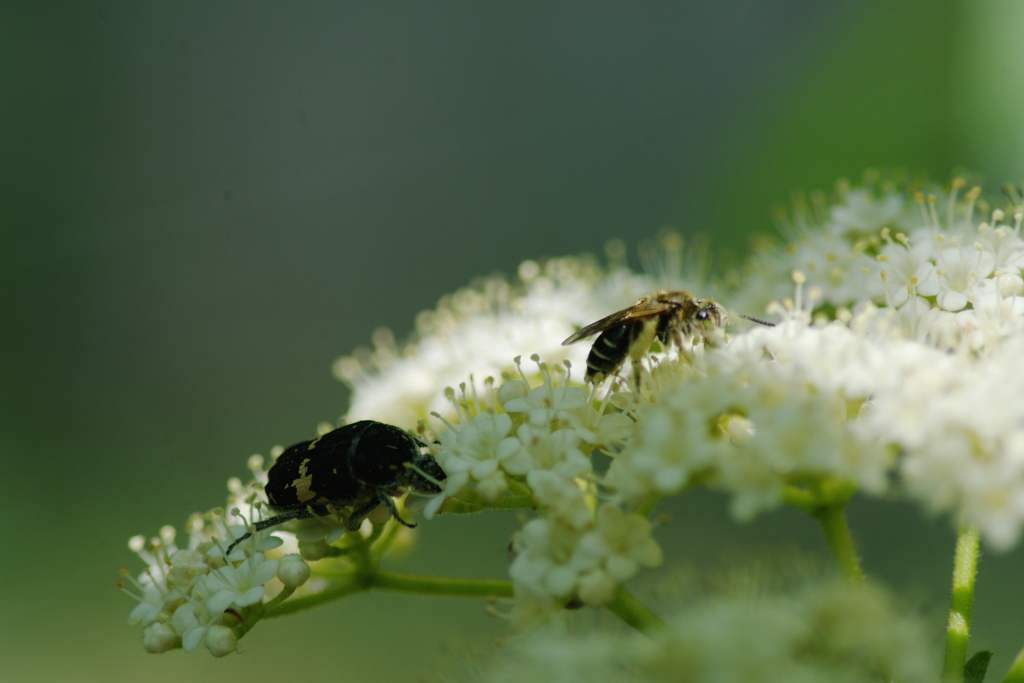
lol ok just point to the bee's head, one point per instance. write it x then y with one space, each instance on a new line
710 314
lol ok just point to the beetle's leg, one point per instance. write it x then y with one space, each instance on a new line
390 503
356 518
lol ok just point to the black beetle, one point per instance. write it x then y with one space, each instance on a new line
355 467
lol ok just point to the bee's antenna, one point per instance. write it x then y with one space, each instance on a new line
755 320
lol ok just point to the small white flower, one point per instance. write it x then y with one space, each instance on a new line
599 428
545 402
619 544
959 270
186 567
192 621
155 597
562 497
533 608
476 451
995 315
862 212
239 586
831 263
769 410
544 550
554 449
1004 243
597 588
901 271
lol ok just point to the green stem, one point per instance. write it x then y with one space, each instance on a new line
827 504
461 507
441 585
965 569
832 519
648 506
383 544
1016 672
635 613
253 619
396 581
518 488
278 599
353 583
802 500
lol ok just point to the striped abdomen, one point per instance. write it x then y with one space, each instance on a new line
610 349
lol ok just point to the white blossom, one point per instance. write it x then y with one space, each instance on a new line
894 368
558 562
184 593
960 271
479 331
828 632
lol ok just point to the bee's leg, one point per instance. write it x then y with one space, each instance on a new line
677 337
686 350
636 377
636 361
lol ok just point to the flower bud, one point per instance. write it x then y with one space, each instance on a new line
292 571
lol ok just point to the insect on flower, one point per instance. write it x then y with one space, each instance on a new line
350 471
669 317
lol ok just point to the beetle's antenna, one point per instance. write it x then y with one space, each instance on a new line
238 540
269 522
418 470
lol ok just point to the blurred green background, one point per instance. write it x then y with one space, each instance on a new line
204 204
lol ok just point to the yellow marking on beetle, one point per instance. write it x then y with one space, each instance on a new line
303 485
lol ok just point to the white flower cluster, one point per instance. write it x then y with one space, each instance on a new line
959 424
752 419
538 440
903 365
829 632
555 562
899 367
938 364
478 330
197 594
955 280
542 435
801 405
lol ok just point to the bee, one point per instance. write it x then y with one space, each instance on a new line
669 317
354 468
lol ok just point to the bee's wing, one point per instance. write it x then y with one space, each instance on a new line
599 326
642 309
